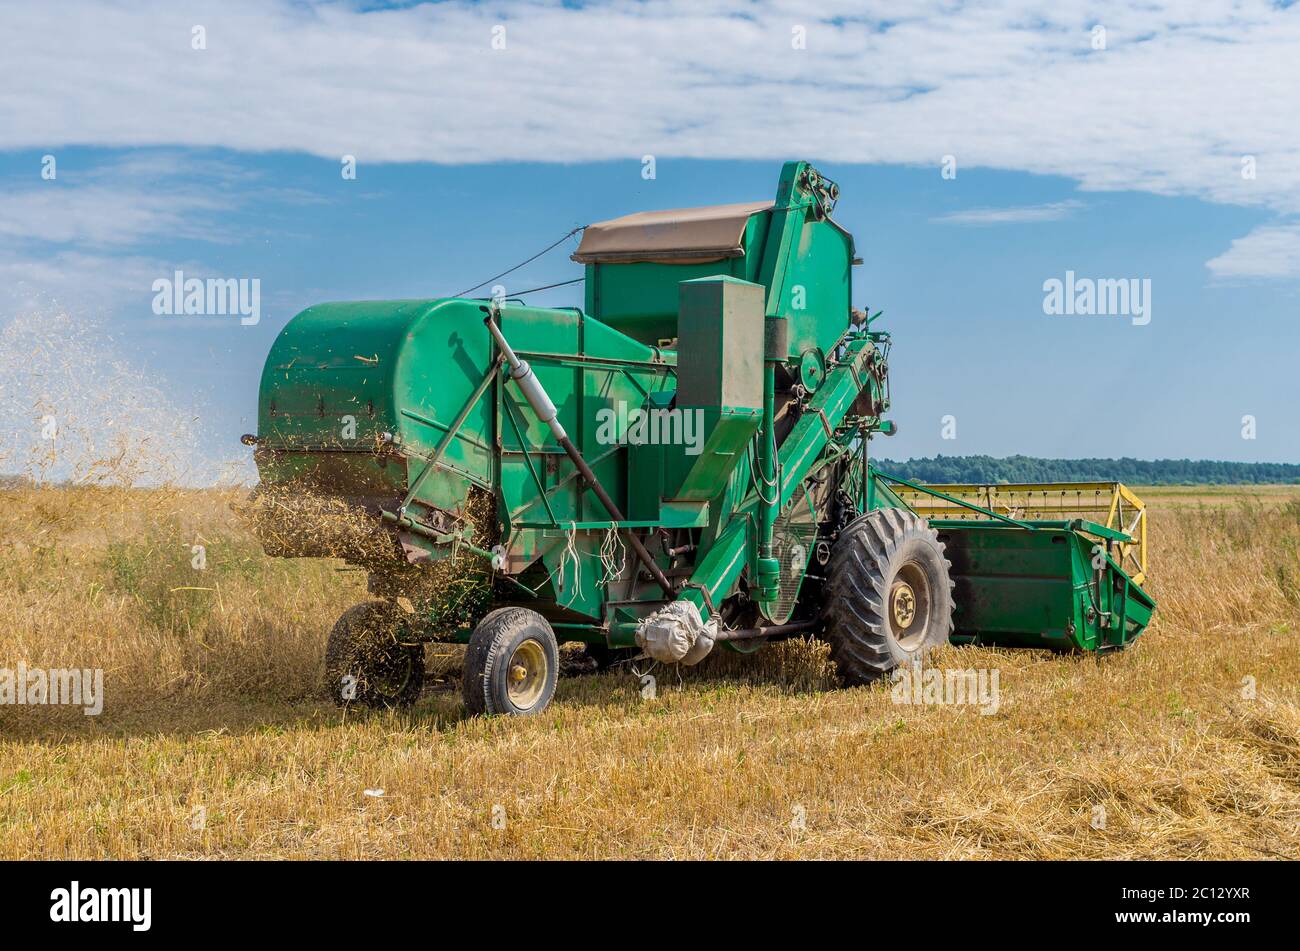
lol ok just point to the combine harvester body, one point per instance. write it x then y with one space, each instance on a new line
682 464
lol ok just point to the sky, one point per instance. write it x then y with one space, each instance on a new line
983 150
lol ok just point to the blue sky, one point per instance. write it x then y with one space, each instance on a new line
467 165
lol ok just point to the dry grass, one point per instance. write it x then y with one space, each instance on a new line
211 702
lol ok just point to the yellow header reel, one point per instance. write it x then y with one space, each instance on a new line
1034 501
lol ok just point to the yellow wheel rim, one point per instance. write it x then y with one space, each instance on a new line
526 674
902 601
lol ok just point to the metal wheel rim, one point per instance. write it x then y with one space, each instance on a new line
908 606
526 674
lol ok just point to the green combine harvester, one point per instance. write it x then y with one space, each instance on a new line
679 467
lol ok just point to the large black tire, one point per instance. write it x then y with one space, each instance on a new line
888 598
371 660
511 664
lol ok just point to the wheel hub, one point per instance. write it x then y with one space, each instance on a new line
902 602
527 674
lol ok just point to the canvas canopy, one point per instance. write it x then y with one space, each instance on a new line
675 236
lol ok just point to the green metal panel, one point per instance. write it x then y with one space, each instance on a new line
718 361
719 383
816 295
1039 588
702 477
640 299
803 261
807 266
645 481
340 375
592 374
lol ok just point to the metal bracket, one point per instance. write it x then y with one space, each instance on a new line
704 592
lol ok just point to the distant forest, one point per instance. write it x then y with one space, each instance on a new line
986 469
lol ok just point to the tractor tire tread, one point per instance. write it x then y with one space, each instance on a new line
860 572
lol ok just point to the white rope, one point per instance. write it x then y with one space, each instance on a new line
571 551
613 557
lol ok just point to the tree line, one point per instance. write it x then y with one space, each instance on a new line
987 469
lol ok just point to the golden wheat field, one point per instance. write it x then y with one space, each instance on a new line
214 741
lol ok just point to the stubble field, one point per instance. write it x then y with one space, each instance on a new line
214 740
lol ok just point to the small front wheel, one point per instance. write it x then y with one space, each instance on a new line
511 664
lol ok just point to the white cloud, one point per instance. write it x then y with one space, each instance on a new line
101 215
1020 214
1267 252
82 282
75 242
1180 94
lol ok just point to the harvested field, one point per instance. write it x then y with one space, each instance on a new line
214 740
